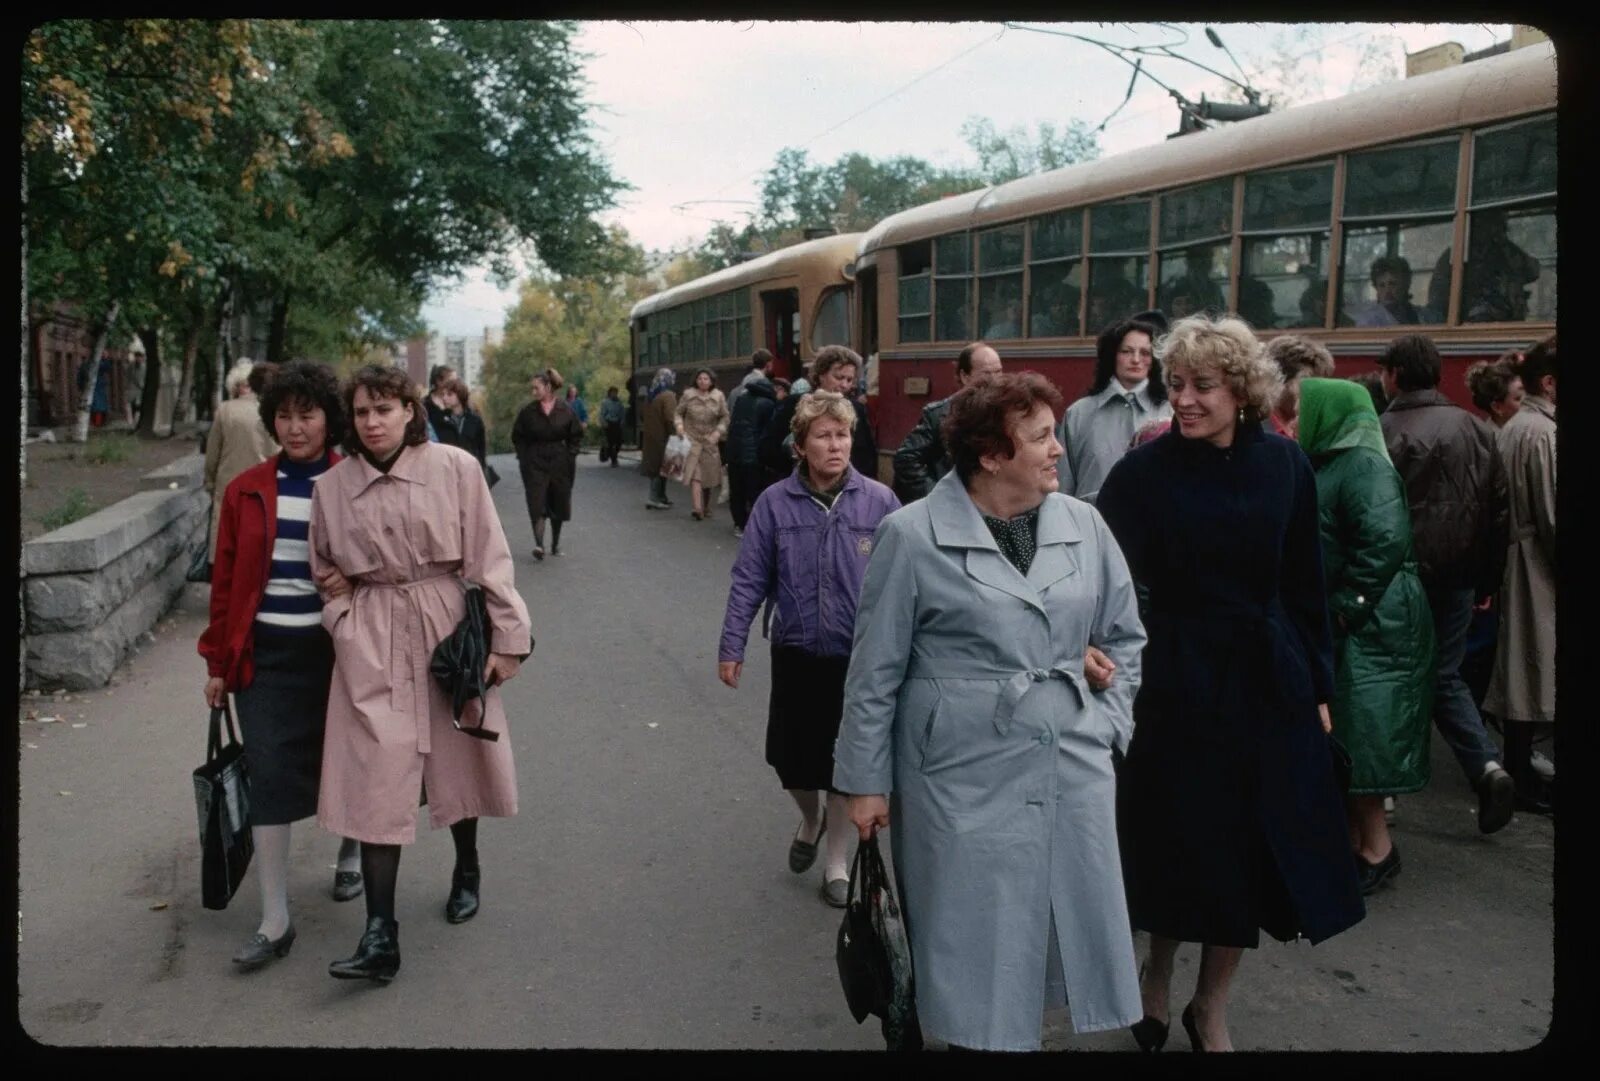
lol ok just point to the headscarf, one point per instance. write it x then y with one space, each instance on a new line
665 380
800 386
1335 415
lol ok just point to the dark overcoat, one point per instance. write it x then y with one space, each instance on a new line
1228 812
547 452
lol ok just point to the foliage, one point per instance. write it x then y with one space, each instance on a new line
1007 155
108 450
76 505
577 325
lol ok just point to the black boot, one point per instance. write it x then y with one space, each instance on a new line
463 902
377 957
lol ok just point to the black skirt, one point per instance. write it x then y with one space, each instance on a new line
281 718
803 717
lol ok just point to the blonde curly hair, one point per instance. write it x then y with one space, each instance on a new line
1230 348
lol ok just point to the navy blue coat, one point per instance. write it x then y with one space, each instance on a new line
1228 812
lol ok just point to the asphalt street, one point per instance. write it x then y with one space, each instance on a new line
641 897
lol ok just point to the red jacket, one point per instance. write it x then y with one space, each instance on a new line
245 534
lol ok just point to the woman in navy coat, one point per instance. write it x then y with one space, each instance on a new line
1229 815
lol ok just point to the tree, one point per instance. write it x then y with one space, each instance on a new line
1010 154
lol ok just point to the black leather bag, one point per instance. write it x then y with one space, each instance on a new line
490 474
458 661
199 566
222 800
874 953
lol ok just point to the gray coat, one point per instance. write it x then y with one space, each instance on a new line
966 703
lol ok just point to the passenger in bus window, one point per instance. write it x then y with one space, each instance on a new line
1496 276
922 458
1056 313
1391 303
1257 305
1314 303
1126 393
1009 325
1111 295
1196 292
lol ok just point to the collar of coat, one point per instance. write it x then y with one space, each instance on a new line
1419 399
407 468
796 488
1543 406
1115 391
957 523
263 476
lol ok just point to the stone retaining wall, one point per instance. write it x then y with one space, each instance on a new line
90 589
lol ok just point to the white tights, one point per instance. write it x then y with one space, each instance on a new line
272 873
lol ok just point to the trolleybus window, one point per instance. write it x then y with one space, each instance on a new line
916 291
1283 281
742 346
1055 274
952 288
1510 266
1119 267
1194 277
1399 207
832 324
1000 282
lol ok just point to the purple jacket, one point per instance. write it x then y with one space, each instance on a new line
809 561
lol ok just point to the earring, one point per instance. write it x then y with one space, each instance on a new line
1241 415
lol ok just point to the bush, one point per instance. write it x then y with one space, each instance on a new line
109 450
76 505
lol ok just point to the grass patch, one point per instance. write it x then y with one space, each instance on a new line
76 505
109 450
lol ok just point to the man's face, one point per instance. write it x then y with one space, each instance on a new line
984 362
841 379
1391 288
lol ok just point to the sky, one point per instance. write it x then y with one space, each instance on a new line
693 113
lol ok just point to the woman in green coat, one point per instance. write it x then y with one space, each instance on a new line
1383 633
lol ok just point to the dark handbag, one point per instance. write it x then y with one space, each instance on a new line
874 952
490 474
222 799
1343 764
458 661
199 567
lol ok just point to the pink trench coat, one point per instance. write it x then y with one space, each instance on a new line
405 540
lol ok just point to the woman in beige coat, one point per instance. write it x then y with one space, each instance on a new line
702 418
1522 690
237 439
396 530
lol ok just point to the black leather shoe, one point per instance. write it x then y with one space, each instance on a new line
803 855
1189 1027
1150 1034
346 885
1496 797
261 949
1373 875
377 956
463 902
1535 798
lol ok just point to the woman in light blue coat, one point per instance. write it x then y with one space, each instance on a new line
970 726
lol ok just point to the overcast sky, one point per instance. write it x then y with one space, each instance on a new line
692 113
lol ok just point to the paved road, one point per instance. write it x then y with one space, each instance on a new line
641 898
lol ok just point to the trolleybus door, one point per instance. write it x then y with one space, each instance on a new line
781 316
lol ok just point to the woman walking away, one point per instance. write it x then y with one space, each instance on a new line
237 439
805 550
398 531
1383 644
702 418
547 435
656 423
1230 818
970 729
265 641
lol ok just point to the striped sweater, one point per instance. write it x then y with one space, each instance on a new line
291 604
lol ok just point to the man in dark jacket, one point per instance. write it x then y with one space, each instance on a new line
757 402
1457 496
921 459
834 368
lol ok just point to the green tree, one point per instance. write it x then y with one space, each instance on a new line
1007 155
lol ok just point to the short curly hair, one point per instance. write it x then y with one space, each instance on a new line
385 381
983 413
1296 355
816 405
1489 381
1229 347
830 357
305 382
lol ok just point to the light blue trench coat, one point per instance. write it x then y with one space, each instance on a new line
966 703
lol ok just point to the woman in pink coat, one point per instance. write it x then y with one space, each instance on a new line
396 530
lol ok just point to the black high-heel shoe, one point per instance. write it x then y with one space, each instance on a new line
377 957
463 902
1150 1034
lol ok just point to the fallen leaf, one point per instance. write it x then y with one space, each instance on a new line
158 906
63 793
49 720
33 746
652 724
79 724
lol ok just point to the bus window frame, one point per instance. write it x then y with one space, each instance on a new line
1161 252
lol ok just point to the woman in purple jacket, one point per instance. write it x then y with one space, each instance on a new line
805 551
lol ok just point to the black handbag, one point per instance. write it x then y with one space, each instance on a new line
490 474
222 799
199 566
874 952
1343 764
458 661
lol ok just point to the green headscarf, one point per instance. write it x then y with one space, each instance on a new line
1335 415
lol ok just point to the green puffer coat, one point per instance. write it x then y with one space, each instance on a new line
1383 632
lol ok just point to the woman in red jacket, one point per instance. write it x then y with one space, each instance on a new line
265 641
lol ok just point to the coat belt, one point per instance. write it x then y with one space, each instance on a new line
1016 684
418 660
